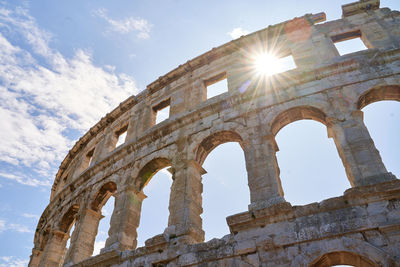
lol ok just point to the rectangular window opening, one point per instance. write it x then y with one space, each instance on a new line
121 135
65 178
162 111
285 64
216 85
89 157
349 42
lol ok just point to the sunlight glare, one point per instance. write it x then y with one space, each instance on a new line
267 64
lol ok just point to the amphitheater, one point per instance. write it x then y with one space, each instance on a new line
359 228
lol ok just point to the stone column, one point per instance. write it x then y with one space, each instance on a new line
35 258
263 172
125 220
375 35
357 150
185 203
55 249
84 236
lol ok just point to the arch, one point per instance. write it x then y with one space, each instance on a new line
205 146
68 218
226 172
342 257
102 195
295 114
352 247
388 92
42 238
214 140
149 170
306 155
379 106
288 171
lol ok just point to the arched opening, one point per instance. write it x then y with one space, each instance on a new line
310 167
155 180
214 140
381 110
42 238
389 92
295 114
342 258
68 219
67 225
103 203
225 189
104 225
70 232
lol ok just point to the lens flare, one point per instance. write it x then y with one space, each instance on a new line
267 64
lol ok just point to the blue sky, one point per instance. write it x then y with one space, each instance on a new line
65 64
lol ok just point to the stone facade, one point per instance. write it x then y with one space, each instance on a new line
360 228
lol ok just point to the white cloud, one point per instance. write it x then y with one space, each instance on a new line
19 228
98 245
237 32
20 19
11 261
24 179
40 102
4 226
107 211
31 216
127 25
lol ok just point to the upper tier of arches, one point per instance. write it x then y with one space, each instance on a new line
234 60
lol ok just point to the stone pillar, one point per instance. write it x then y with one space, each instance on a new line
125 220
185 203
323 47
375 35
263 172
84 236
103 147
55 249
146 120
35 258
237 79
357 150
141 118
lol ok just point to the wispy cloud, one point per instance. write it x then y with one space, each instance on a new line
25 179
4 226
44 96
19 228
31 216
11 261
131 24
237 32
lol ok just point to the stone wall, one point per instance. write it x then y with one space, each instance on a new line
360 228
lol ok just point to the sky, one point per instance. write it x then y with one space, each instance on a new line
65 64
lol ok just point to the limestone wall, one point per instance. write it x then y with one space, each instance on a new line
361 228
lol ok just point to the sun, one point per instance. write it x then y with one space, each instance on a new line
267 64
